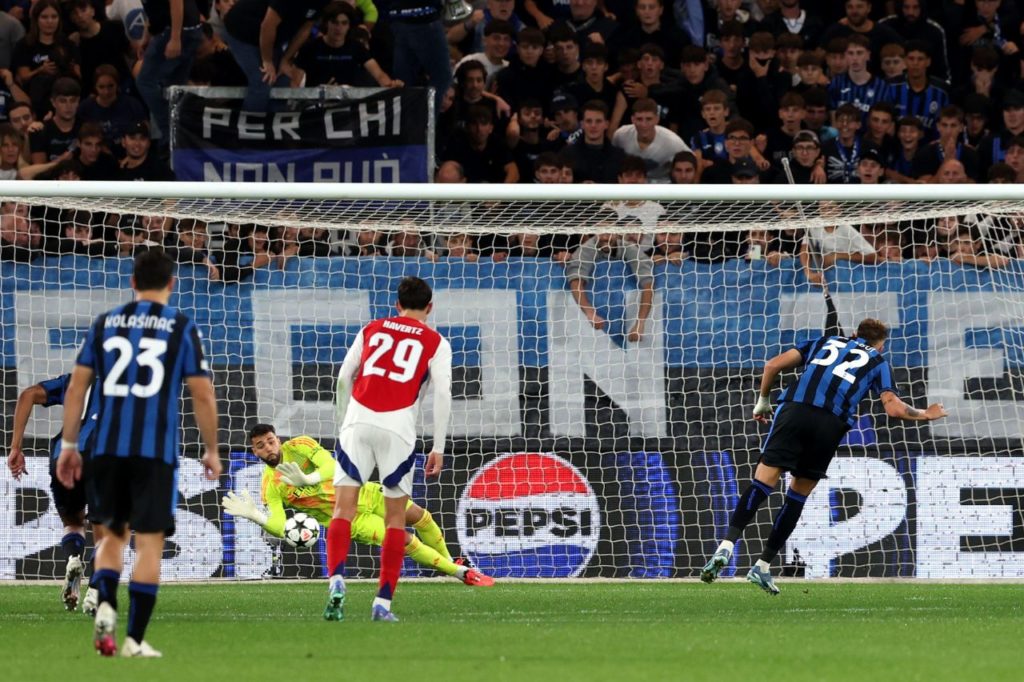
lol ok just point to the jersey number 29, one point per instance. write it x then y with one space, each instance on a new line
406 357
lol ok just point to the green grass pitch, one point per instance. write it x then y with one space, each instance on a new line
537 632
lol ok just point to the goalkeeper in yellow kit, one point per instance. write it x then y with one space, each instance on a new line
300 475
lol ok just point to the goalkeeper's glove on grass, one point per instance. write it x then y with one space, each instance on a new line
292 475
241 504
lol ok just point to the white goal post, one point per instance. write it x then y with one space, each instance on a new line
583 444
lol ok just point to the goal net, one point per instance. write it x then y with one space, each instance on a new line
582 443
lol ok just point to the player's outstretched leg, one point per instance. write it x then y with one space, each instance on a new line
419 552
104 628
339 536
392 552
761 576
719 560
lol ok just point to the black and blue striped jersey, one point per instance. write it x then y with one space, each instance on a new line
838 372
141 352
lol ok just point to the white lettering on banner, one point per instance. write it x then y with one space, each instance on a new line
379 117
39 313
215 116
807 311
495 313
286 123
882 509
370 170
200 541
633 377
251 125
951 362
274 315
332 133
942 520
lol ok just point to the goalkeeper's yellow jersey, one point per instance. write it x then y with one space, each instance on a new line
316 500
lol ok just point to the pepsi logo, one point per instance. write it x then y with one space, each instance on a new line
529 515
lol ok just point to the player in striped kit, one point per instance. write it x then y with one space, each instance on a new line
299 474
814 414
380 384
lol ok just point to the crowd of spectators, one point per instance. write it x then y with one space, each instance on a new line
548 91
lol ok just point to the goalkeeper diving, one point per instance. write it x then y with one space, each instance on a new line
299 475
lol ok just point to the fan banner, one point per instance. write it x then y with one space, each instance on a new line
378 138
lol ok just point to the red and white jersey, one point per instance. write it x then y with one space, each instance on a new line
386 372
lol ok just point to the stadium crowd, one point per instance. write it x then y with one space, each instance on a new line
549 91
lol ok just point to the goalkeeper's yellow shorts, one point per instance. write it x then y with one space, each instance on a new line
368 525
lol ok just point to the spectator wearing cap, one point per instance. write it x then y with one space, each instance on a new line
655 144
98 43
871 167
335 57
527 76
745 172
138 162
470 33
920 95
894 63
168 57
805 165
858 86
792 18
592 156
909 134
911 22
993 148
816 114
950 145
595 84
497 42
44 55
113 110
482 154
857 21
527 137
649 83
566 45
265 35
739 144
651 27
565 113
976 113
59 133
842 154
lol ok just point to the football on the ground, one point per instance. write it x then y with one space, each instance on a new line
301 530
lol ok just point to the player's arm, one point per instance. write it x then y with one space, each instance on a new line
241 505
345 378
441 378
69 466
27 399
894 407
311 450
791 359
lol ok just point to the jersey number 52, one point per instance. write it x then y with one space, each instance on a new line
405 357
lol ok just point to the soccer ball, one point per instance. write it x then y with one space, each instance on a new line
301 530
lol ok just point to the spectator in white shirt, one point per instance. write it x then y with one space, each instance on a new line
656 145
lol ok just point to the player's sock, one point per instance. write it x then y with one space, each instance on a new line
73 544
140 608
106 584
430 533
785 522
746 508
339 536
429 557
390 565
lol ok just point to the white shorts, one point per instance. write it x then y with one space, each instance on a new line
361 447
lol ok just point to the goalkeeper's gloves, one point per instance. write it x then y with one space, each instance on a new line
762 408
292 475
241 504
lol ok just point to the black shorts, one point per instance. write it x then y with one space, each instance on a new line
803 440
136 491
69 502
